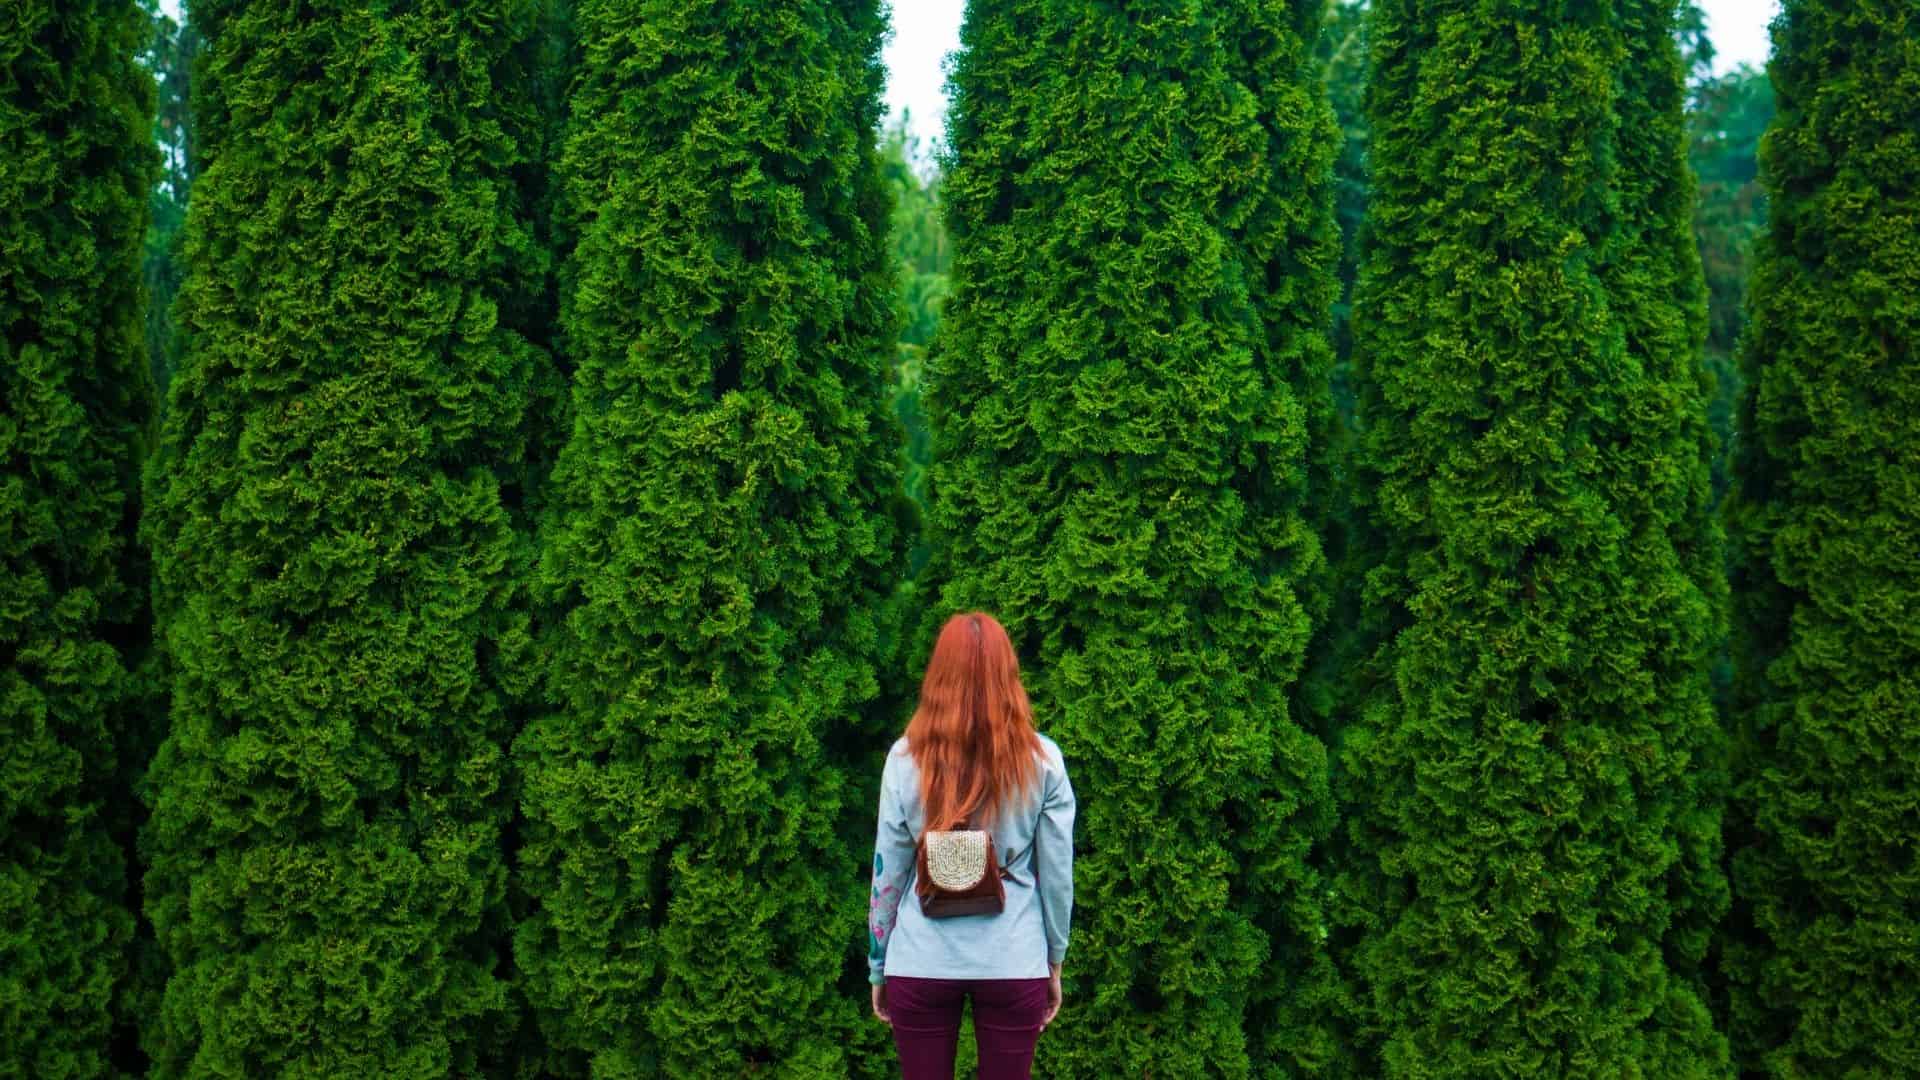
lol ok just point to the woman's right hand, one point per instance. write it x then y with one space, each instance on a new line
1053 996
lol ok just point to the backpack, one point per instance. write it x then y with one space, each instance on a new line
959 874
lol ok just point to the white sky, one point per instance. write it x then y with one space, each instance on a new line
1739 31
925 31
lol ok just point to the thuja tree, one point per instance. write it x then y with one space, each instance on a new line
1291 248
169 54
1528 859
332 514
724 538
1140 201
1824 957
1342 51
922 258
1657 289
74 116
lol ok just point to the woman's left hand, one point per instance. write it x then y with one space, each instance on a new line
880 1005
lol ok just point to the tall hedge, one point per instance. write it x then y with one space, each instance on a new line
723 543
333 519
74 402
1527 788
1123 402
1657 287
1291 247
1824 955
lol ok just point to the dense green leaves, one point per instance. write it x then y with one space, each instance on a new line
723 542
436 799
1528 858
1343 55
1124 400
1655 286
75 164
169 55
1728 114
337 556
924 259
1824 952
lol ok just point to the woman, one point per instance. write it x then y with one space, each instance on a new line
971 759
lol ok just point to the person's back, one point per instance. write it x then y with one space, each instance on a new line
971 760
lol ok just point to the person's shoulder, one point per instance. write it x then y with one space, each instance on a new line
1050 754
898 756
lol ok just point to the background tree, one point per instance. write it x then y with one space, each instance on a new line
1140 206
170 54
1291 249
1522 793
75 110
925 259
1728 115
1822 954
334 512
724 542
1343 53
1652 270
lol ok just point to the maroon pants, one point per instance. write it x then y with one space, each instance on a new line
926 1024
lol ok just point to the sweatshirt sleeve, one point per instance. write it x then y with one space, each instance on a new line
1053 855
893 853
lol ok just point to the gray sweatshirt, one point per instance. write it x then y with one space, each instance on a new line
1033 840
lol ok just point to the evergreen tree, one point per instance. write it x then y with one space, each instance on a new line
1291 250
1528 858
75 110
1655 287
1123 400
170 55
1823 954
923 259
1343 59
724 539
333 510
922 255
1728 115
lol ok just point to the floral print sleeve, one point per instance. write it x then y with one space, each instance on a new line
892 859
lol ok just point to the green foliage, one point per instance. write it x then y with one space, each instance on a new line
1290 242
724 541
1823 954
74 400
1655 288
1528 858
924 260
1126 392
1343 56
1728 115
1696 44
920 247
170 53
337 554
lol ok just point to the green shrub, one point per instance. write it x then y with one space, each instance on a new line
1823 955
337 558
75 164
1528 787
1657 289
723 542
1124 401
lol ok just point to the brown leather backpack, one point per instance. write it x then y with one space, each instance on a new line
958 874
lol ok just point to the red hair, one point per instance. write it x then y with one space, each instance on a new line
972 735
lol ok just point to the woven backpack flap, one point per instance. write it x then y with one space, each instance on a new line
959 875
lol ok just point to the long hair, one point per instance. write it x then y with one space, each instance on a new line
972 735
